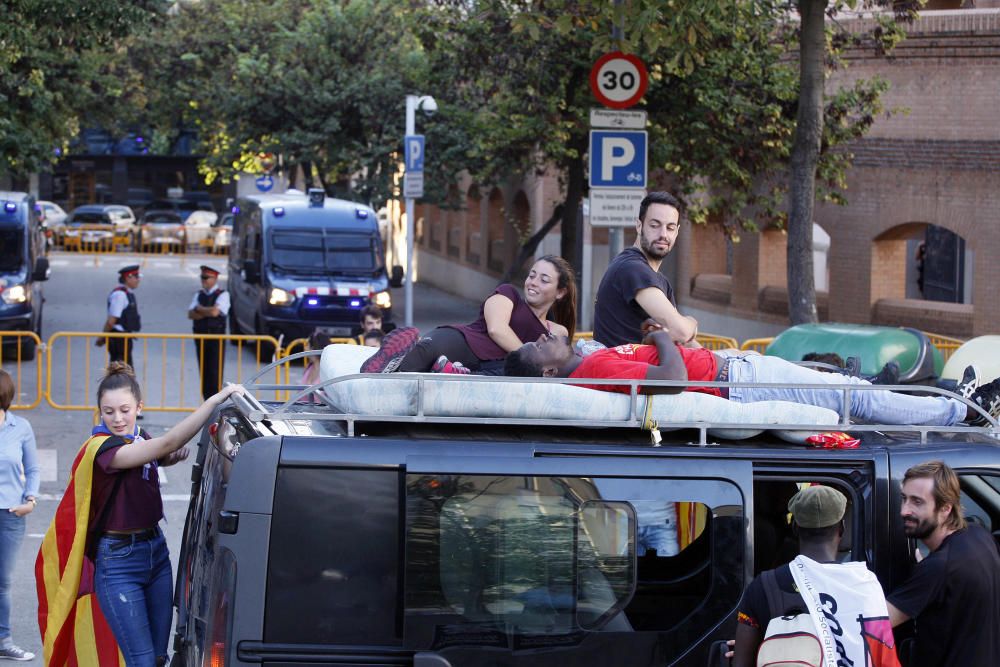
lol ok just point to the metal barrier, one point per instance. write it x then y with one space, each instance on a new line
23 348
713 342
167 369
756 344
945 344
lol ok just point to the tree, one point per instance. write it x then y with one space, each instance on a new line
53 73
321 84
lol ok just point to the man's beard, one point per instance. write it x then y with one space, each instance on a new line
647 248
921 529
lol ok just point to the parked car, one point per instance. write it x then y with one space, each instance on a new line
99 227
182 207
161 230
198 229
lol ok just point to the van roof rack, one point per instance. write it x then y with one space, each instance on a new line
257 411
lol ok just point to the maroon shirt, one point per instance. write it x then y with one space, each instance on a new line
137 503
523 321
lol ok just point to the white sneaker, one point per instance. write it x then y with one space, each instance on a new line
969 383
13 652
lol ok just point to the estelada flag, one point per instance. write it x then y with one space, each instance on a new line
74 631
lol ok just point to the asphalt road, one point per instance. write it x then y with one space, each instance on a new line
75 301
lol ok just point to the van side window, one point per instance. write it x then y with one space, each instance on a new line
522 562
981 499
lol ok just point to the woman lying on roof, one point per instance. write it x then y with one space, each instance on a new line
506 321
661 359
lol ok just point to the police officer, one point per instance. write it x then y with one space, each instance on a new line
123 314
208 310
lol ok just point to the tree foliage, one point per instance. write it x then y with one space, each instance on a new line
55 68
321 84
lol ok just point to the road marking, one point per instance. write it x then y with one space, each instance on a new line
59 262
48 465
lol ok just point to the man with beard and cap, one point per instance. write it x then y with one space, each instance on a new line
123 315
954 592
633 289
208 310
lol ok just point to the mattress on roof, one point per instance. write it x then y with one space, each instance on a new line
381 395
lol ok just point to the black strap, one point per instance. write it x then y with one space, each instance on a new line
770 582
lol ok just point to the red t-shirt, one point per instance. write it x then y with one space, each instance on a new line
632 362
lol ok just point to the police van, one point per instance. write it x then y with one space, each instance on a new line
452 521
299 263
23 267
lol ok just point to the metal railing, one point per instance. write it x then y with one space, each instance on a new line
756 344
166 366
255 410
946 344
21 347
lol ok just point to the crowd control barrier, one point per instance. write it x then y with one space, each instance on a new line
166 365
21 350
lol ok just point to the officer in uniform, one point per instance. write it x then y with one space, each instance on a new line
123 315
208 310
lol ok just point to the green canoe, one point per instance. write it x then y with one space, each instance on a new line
918 359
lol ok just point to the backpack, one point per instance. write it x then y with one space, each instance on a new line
790 639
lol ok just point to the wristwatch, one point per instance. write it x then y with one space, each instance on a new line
34 503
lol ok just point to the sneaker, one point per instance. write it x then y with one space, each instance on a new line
967 386
888 375
443 365
987 397
390 353
13 652
852 367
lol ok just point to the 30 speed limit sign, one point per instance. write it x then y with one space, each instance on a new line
618 80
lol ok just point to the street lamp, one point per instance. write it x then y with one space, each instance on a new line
426 104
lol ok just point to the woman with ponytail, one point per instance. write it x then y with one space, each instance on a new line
105 539
506 321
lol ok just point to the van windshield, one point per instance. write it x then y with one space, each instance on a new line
11 254
313 252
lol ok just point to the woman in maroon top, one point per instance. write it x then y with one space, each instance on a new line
132 577
506 321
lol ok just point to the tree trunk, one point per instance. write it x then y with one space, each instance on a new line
528 247
805 155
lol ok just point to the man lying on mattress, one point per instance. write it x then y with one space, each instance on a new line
660 359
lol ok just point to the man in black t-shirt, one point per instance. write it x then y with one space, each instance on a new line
633 289
954 593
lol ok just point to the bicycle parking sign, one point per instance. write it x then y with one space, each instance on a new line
618 80
617 159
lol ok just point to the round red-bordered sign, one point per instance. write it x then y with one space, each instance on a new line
618 80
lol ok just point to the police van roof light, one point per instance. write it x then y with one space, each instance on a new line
361 213
9 206
316 196
279 211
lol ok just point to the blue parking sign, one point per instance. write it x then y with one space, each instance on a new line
617 159
414 152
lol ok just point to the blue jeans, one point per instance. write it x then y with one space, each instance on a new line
881 407
11 534
133 582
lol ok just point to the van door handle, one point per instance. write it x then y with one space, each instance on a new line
229 522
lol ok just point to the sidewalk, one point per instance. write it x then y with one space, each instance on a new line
433 307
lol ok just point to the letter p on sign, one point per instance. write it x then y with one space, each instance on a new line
414 149
617 152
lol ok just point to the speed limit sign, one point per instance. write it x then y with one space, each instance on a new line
618 80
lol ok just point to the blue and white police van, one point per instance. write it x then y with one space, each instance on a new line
23 267
300 263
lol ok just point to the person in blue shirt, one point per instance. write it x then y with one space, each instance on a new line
17 499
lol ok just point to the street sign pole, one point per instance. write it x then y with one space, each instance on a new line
411 112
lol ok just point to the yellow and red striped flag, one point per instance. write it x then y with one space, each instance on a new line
74 631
